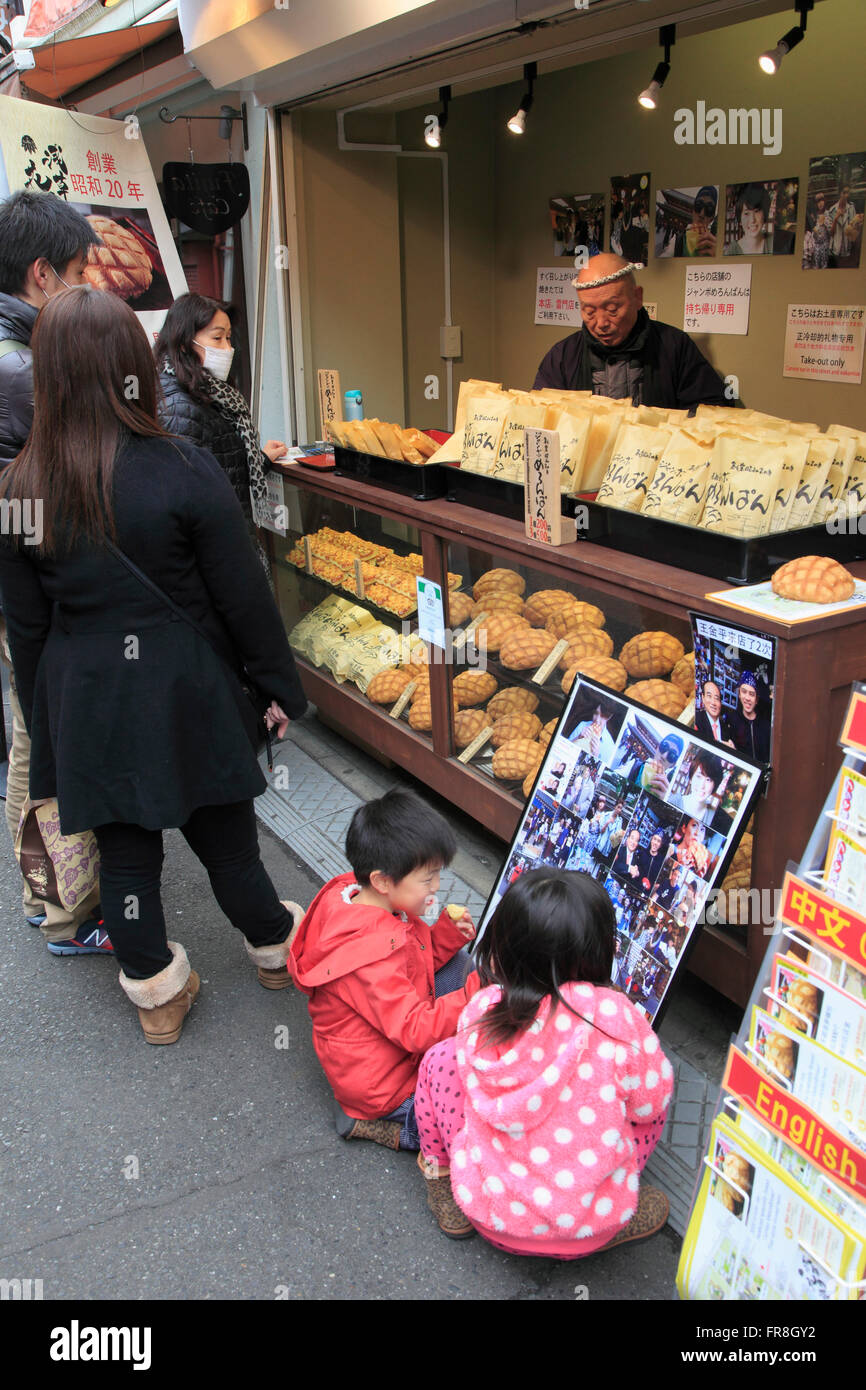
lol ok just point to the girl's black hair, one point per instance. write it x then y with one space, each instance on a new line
186 318
396 835
552 927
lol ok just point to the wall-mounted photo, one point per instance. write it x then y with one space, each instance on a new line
761 217
834 212
687 221
577 220
629 216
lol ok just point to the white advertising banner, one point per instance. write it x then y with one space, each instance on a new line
100 167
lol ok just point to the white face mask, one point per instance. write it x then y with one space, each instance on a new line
58 277
218 361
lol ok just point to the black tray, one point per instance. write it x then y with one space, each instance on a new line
706 552
490 494
422 481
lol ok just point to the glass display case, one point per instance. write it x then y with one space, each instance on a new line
345 578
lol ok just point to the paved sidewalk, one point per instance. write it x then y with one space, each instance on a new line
210 1169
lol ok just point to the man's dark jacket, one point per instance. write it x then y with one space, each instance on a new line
17 318
676 375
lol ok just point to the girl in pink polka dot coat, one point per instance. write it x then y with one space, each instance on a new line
549 1101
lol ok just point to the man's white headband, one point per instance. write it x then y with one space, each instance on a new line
608 279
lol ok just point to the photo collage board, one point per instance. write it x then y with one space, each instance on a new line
649 809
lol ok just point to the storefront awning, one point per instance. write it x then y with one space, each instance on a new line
62 67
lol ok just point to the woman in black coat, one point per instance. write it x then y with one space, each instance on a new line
194 355
138 721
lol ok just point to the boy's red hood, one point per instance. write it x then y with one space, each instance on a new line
332 942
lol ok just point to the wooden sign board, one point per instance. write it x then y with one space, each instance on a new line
543 490
330 398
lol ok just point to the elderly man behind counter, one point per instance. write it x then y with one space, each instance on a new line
620 351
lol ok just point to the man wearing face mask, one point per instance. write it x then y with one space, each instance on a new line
194 356
43 250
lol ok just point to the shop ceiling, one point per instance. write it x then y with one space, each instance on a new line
394 52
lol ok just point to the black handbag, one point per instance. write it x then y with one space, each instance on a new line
256 701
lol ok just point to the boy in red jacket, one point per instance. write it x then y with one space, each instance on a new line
367 961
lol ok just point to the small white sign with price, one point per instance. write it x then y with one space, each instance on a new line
431 614
272 514
717 299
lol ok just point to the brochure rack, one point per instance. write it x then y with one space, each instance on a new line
780 1205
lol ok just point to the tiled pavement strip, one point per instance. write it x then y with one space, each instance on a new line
328 778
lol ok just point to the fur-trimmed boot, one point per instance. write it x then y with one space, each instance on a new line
271 960
440 1199
164 1000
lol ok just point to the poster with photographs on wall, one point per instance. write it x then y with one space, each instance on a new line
735 672
650 810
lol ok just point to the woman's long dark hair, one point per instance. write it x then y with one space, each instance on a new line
552 927
185 319
94 383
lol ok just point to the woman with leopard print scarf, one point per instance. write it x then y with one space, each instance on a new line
193 354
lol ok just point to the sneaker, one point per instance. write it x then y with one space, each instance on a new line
91 939
37 919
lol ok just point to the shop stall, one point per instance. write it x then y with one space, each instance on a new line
456 546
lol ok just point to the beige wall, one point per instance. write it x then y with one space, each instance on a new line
349 244
371 223
586 125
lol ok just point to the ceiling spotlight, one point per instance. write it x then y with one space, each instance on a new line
434 125
649 97
771 61
517 124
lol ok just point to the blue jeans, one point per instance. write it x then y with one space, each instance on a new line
448 978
